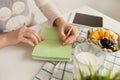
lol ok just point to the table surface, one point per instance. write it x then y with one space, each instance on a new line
16 62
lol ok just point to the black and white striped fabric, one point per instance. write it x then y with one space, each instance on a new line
55 71
111 62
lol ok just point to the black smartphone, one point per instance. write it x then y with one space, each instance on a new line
88 20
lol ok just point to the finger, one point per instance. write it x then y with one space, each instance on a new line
27 41
62 37
32 37
36 34
70 39
62 34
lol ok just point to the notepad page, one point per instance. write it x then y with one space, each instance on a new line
50 33
51 48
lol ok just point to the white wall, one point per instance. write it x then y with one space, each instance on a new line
108 7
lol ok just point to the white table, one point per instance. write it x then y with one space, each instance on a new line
16 62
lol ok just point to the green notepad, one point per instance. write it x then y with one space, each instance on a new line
51 48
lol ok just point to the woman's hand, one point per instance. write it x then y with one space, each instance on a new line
64 28
24 35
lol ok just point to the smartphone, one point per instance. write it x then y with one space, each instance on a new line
85 19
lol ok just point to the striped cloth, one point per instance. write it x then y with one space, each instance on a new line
64 70
111 62
55 71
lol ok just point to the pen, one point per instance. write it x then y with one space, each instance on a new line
69 32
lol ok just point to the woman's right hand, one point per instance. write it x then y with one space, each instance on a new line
24 35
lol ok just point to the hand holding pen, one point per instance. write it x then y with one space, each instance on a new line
68 34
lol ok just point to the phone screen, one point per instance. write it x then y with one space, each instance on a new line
88 20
